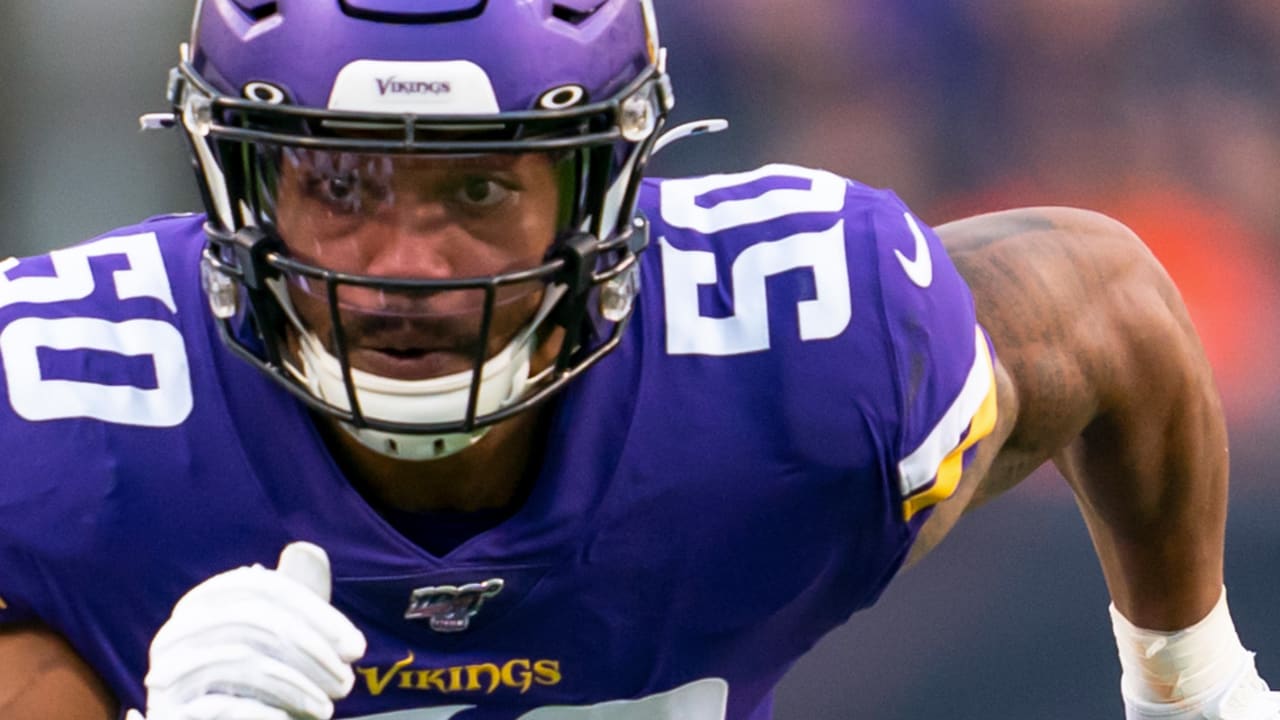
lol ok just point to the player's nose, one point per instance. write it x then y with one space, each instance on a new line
418 243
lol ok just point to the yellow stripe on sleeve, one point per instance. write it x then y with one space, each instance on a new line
921 466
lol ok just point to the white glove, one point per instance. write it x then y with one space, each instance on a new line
255 644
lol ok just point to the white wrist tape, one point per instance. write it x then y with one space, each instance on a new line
1191 673
1172 666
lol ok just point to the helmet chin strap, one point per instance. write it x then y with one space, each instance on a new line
503 379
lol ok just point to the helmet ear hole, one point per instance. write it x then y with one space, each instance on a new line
565 96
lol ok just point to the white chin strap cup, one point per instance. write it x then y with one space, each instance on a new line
445 399
435 400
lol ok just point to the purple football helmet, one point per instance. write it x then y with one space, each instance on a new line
351 90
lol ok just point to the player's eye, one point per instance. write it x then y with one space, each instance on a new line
349 191
340 189
481 192
340 192
344 183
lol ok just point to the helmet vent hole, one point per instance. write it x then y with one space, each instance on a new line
575 15
265 92
412 11
258 10
565 96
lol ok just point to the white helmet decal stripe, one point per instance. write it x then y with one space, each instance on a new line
455 87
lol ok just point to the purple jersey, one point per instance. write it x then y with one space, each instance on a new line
799 384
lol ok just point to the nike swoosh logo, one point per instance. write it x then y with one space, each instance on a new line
920 269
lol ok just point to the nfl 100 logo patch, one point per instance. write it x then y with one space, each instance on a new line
450 608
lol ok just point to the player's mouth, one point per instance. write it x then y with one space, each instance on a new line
403 361
421 342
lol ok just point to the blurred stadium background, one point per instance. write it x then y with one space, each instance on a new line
1164 113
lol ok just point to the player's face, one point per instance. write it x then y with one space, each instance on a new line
416 217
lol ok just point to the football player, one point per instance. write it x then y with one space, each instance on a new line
443 410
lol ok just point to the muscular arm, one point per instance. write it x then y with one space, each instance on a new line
41 677
1102 373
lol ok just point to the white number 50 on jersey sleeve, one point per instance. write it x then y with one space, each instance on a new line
35 397
823 252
